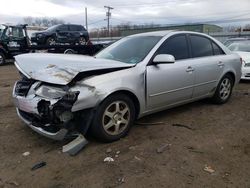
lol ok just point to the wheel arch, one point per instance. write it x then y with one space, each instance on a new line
232 75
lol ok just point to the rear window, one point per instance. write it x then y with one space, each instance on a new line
201 46
76 28
217 49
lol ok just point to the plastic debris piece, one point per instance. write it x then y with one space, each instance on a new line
38 165
209 169
27 153
108 159
75 145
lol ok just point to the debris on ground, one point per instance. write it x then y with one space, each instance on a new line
137 158
38 165
209 169
162 148
132 148
27 153
6 85
121 180
118 152
192 149
108 159
109 150
116 156
14 183
181 125
75 145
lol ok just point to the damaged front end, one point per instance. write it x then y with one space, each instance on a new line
47 109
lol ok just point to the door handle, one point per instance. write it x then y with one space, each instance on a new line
190 69
221 64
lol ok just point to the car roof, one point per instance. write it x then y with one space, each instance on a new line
13 25
166 32
232 39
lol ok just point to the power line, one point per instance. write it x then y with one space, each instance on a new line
98 21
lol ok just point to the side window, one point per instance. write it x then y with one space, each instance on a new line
176 46
201 46
17 32
76 28
217 49
63 28
73 28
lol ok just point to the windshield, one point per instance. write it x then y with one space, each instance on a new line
2 28
240 46
52 28
131 50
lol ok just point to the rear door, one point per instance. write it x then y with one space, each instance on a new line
208 62
74 32
169 84
63 35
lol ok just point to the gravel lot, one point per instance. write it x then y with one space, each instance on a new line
154 154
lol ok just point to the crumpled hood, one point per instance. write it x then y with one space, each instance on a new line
61 68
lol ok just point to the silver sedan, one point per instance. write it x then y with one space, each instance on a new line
59 95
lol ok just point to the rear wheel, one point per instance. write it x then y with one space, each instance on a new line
113 118
82 41
2 58
224 90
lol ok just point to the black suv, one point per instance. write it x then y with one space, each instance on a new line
62 33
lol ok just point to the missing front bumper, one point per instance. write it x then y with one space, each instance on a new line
59 135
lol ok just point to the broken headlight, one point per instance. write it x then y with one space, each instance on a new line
50 92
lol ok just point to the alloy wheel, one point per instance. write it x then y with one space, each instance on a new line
225 89
82 41
51 41
116 118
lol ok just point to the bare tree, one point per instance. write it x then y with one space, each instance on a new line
42 21
28 20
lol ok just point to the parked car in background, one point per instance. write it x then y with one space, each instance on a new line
243 49
232 40
62 33
135 76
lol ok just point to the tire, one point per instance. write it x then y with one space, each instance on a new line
82 41
224 90
50 41
2 58
70 51
117 112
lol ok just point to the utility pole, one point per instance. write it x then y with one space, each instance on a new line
86 18
108 14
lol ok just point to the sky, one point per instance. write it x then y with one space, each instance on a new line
229 12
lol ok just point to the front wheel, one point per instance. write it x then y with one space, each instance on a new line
224 90
113 118
50 41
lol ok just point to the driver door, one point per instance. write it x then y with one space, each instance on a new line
170 83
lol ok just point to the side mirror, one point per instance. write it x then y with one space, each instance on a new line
163 58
